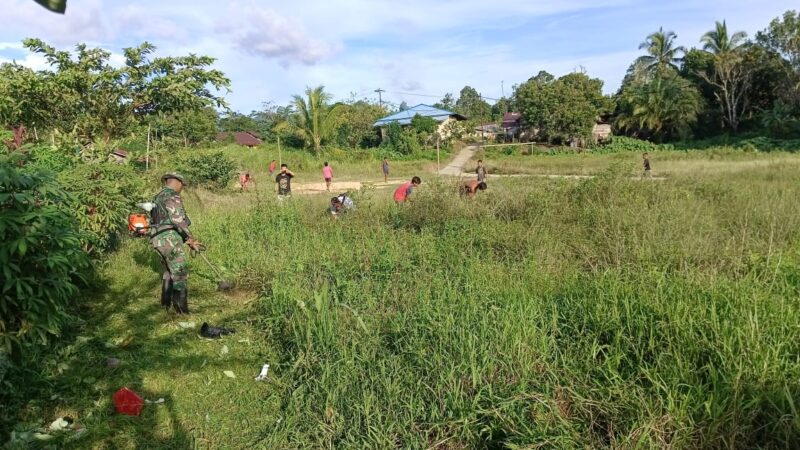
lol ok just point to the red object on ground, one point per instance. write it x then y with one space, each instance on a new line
128 402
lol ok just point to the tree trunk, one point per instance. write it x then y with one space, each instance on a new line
732 80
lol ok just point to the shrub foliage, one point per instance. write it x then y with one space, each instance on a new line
208 169
40 255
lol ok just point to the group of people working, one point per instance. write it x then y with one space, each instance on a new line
169 223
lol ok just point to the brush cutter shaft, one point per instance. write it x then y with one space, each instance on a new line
222 284
214 268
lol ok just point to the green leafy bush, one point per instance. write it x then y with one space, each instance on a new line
616 144
424 124
209 169
54 159
40 255
405 141
102 196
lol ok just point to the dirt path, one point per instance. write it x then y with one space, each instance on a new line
337 187
342 186
455 166
545 175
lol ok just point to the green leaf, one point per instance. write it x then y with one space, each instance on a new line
58 6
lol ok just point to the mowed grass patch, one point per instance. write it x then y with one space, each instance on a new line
665 163
597 313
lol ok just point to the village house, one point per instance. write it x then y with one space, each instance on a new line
118 156
243 138
487 131
403 118
515 128
602 130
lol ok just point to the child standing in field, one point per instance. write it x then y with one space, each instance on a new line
272 167
327 173
284 182
404 190
646 165
481 171
385 167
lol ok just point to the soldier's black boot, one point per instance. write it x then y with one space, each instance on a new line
180 300
166 293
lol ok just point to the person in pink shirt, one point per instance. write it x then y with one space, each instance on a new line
244 180
327 173
401 193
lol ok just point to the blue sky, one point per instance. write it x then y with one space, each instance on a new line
412 48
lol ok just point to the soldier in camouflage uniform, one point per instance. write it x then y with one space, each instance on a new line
169 231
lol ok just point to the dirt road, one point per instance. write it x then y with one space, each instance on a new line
337 187
454 167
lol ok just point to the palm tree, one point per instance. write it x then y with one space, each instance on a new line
718 42
661 52
314 116
665 106
731 77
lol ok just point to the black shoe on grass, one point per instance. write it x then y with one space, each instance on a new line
210 332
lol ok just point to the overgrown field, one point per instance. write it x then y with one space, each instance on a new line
546 313
350 165
665 163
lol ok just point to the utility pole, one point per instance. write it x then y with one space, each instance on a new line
380 99
502 88
147 157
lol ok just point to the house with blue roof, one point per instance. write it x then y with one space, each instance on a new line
403 118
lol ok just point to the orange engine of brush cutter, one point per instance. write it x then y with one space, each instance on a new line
138 223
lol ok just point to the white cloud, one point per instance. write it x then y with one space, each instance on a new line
268 34
31 60
10 46
138 21
82 23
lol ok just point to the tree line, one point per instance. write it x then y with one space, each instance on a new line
729 83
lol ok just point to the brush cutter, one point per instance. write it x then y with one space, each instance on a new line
222 284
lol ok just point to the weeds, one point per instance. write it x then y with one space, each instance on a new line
608 312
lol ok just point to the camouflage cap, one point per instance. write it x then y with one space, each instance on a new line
174 175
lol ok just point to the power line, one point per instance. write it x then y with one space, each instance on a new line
415 95
431 95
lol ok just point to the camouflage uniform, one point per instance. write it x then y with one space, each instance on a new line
169 231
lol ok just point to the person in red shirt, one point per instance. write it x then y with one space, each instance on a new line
272 167
404 190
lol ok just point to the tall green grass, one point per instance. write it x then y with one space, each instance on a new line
603 313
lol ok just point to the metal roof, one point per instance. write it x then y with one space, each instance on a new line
404 117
